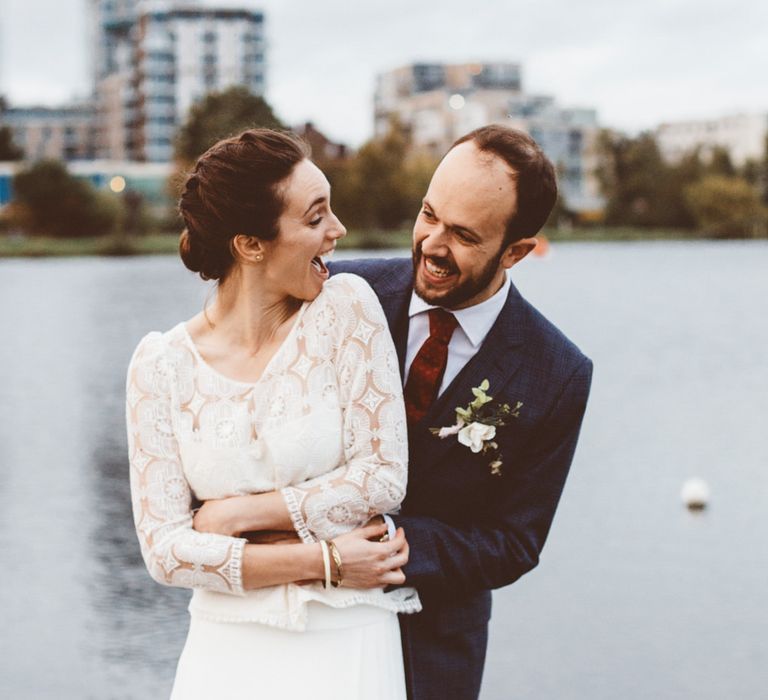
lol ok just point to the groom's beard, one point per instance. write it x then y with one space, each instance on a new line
465 290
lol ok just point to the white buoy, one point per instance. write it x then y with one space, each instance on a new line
695 494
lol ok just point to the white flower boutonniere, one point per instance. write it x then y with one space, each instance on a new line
476 425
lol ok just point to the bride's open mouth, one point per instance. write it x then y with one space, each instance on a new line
318 263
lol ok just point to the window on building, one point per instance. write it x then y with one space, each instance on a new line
575 142
428 77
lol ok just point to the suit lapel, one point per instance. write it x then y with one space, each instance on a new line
395 296
497 360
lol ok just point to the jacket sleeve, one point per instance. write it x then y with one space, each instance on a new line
372 476
504 543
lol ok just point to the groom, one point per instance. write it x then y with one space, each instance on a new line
476 520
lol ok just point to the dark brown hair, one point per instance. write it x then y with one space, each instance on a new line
533 172
234 188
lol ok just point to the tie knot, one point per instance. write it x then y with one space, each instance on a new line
442 323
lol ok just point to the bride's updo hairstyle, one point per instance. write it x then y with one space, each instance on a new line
234 189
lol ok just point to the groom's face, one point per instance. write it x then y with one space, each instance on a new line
459 255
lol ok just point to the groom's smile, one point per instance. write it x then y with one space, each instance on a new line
438 271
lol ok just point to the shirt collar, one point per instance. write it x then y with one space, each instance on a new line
476 321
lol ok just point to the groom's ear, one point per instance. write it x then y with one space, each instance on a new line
516 251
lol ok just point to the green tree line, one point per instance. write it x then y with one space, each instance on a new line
376 189
379 187
702 192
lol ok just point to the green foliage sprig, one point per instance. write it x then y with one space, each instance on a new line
476 425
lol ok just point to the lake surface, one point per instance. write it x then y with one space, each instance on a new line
635 597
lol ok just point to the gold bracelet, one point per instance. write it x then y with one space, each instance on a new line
337 560
326 564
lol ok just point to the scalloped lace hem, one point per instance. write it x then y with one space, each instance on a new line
236 564
294 617
294 510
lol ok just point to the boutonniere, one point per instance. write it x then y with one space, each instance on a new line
476 425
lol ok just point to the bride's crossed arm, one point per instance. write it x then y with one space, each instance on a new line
371 479
372 476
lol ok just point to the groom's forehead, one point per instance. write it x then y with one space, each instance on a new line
472 183
467 167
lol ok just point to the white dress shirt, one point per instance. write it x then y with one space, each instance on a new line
475 322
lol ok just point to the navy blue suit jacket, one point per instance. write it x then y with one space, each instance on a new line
470 531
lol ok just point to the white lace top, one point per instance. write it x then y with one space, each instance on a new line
324 424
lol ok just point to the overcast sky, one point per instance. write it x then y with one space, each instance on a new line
637 63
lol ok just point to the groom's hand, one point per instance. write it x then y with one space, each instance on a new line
370 563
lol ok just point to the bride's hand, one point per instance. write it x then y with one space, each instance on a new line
369 563
223 516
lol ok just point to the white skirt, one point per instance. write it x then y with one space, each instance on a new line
344 654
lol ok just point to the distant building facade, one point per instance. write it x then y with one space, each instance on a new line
150 180
111 25
742 135
156 58
437 103
569 138
151 61
184 54
57 133
323 149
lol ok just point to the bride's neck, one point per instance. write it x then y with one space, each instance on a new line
248 311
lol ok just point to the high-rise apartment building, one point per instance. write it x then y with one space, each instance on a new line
155 58
437 103
569 138
183 54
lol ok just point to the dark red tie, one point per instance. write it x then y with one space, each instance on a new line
428 367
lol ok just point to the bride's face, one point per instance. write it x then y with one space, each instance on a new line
308 231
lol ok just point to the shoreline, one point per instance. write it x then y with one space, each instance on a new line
19 246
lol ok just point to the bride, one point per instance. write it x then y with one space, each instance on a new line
280 408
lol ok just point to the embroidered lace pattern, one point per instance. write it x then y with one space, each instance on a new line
324 424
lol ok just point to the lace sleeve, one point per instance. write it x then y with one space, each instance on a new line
372 478
174 553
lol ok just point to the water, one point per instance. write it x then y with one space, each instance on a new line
635 597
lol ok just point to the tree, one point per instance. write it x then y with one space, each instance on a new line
632 179
219 115
49 201
720 162
381 186
763 173
640 188
688 170
752 172
8 149
726 207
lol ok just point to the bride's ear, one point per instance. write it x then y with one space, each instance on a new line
247 250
